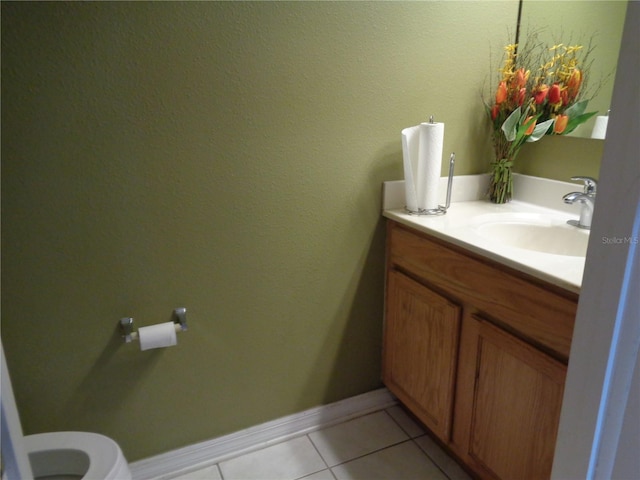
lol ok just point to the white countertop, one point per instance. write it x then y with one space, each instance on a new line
459 226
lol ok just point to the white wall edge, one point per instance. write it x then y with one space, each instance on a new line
604 349
210 452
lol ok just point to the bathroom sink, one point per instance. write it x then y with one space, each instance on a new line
534 232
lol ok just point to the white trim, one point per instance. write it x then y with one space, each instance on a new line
622 360
210 452
14 456
605 344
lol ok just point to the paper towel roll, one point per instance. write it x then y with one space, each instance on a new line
157 336
410 142
429 164
600 127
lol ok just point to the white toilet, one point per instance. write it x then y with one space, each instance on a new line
75 455
55 455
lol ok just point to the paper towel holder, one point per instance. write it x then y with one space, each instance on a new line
442 209
128 333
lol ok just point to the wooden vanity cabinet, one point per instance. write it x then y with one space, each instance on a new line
477 352
421 349
508 405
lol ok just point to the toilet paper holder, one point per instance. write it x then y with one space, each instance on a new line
126 324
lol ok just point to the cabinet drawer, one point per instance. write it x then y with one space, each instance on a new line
538 313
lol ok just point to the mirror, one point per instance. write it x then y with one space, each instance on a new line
579 22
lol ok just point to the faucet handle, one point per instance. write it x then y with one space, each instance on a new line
590 184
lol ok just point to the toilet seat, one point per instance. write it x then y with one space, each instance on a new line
92 455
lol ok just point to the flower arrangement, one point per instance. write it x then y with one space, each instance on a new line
527 107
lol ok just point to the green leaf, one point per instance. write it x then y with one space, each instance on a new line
509 127
540 130
576 109
521 136
574 122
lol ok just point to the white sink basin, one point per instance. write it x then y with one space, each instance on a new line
533 231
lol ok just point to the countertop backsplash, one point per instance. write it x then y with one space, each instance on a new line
539 191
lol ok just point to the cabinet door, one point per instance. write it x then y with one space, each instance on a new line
516 405
420 350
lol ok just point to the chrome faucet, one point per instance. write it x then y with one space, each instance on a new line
586 198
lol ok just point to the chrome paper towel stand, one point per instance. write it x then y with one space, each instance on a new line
442 209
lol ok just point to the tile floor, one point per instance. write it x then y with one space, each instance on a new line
386 444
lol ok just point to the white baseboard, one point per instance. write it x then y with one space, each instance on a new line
201 455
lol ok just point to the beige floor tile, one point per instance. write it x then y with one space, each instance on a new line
207 473
323 475
404 461
440 457
357 437
412 428
283 461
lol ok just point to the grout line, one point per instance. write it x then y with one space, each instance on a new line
372 452
398 423
318 451
329 467
209 452
410 417
432 460
413 439
219 470
313 473
326 466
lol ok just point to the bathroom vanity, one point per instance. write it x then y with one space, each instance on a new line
476 344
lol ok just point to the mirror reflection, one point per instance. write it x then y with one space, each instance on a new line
581 22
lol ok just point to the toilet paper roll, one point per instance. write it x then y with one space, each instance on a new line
429 164
157 336
600 127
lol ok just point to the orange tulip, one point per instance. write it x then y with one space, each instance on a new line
501 93
521 95
541 94
531 127
554 95
575 80
520 78
560 124
494 112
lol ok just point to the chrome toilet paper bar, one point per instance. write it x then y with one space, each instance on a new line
128 333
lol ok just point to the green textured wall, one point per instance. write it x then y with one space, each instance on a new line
222 156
